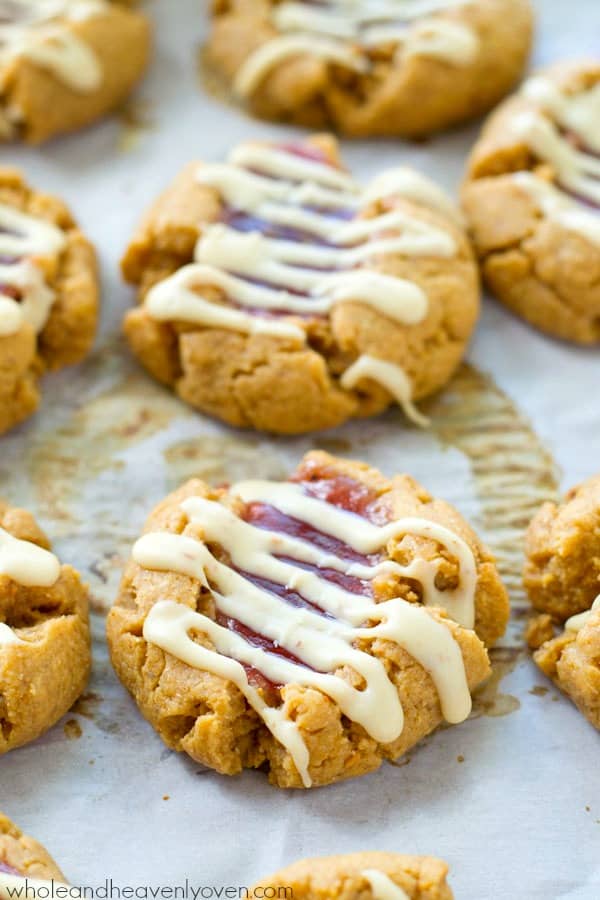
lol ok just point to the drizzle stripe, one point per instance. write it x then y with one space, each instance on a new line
344 33
332 239
319 637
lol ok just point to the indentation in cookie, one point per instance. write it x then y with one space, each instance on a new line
44 632
9 870
533 199
39 32
304 592
293 247
25 294
356 38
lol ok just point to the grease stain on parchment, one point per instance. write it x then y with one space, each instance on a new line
333 444
72 729
539 690
136 118
513 472
212 83
221 459
488 700
89 706
60 462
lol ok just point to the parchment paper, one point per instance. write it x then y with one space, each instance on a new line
510 798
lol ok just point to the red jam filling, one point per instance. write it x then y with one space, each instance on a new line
247 223
585 201
8 870
9 290
255 676
307 151
579 144
338 490
255 639
341 491
271 519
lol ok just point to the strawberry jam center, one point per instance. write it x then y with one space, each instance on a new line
340 491
8 870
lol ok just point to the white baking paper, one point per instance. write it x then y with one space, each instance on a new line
510 798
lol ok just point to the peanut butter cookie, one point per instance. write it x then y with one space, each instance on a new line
562 578
562 569
311 628
276 293
48 294
44 632
532 198
572 660
21 856
65 63
370 68
368 876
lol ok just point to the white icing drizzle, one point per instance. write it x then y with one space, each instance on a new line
579 112
576 172
22 239
344 32
412 185
383 887
32 888
389 375
26 563
336 261
559 207
322 642
8 637
39 32
576 623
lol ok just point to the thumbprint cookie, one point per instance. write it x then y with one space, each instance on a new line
48 294
311 628
532 199
370 876
22 857
44 632
370 68
562 568
572 661
562 578
65 63
277 293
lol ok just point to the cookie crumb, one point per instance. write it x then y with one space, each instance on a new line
539 690
72 730
539 630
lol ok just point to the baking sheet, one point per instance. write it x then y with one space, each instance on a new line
510 798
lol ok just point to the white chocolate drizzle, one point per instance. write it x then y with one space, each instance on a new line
39 31
324 250
8 638
576 623
22 239
26 563
329 631
382 886
391 377
559 207
563 133
346 32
